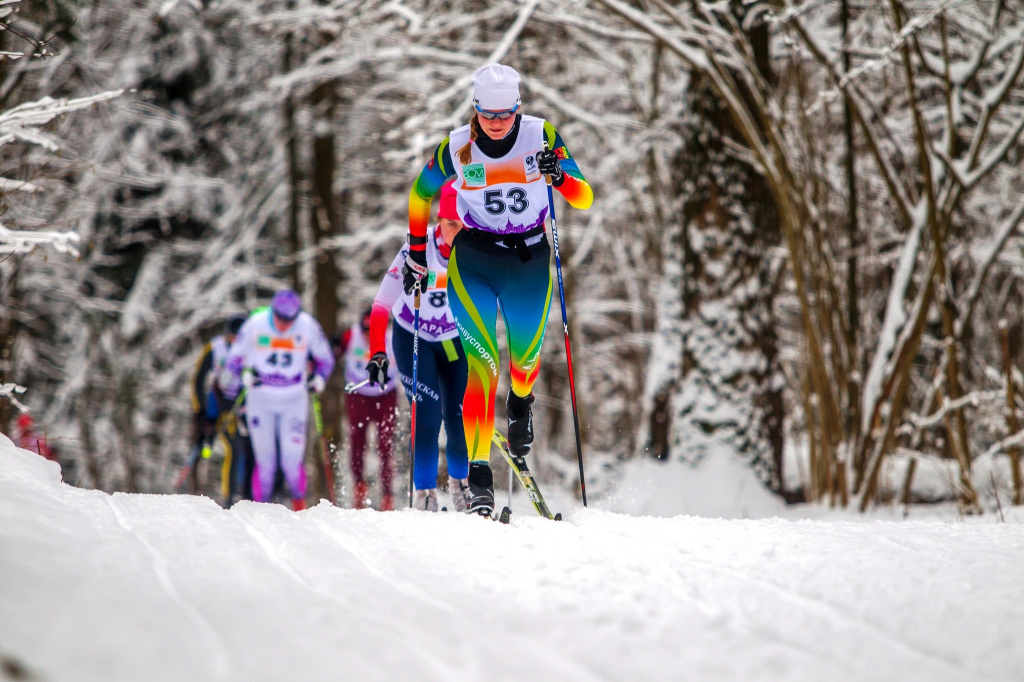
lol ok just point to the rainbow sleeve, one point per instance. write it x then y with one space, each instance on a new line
437 171
574 188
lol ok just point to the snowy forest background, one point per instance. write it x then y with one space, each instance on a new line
803 251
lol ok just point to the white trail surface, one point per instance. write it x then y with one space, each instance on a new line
144 587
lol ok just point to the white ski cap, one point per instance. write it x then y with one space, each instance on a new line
496 87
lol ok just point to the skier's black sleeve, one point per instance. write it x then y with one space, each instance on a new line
203 367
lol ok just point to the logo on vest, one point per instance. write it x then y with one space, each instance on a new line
475 175
530 168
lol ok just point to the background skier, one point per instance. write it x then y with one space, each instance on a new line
269 358
368 405
209 403
442 360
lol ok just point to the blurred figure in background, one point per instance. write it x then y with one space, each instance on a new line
208 403
238 465
27 437
365 406
442 361
269 359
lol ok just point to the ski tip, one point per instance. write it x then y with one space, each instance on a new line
505 516
444 508
558 516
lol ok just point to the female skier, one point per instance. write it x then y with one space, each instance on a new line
501 257
442 362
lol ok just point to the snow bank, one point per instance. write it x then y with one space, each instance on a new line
22 464
717 487
147 587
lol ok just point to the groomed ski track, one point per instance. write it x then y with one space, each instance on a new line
145 587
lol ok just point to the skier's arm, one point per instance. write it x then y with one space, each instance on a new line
388 293
574 187
230 378
437 171
203 366
321 353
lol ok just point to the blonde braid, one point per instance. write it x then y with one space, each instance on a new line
465 154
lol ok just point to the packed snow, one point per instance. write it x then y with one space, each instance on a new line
144 587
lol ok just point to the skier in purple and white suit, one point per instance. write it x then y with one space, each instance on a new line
271 357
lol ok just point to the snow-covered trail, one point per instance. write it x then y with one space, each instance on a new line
142 587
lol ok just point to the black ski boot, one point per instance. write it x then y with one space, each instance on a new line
520 423
481 489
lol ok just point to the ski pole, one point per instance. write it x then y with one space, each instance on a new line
186 471
415 385
565 327
325 454
511 475
352 387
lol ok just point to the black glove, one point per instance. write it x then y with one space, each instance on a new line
316 384
415 270
548 163
377 369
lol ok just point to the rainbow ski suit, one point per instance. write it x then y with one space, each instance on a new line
502 257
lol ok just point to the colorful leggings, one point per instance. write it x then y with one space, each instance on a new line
442 380
480 278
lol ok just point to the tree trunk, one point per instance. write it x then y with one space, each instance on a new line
1013 426
852 423
294 174
8 336
728 399
325 221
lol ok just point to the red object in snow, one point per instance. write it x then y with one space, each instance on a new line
26 438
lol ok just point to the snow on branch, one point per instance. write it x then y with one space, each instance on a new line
39 47
20 241
8 185
1005 444
893 322
9 391
793 12
461 84
912 27
17 123
20 123
974 399
1002 234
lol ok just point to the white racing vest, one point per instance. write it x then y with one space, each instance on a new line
506 195
357 355
281 359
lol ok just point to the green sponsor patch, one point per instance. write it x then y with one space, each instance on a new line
263 341
431 278
475 174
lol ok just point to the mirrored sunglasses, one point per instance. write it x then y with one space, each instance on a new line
500 115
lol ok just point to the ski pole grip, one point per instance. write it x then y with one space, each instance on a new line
416 296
